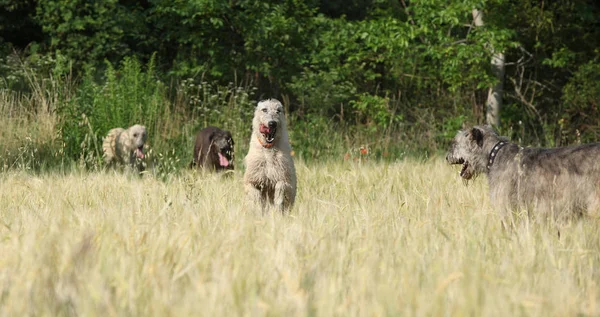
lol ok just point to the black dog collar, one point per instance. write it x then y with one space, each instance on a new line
494 152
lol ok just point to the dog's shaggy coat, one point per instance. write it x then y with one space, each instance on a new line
214 150
125 147
270 177
562 181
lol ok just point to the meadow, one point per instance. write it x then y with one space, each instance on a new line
373 93
364 238
376 229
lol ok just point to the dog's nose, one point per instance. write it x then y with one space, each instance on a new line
272 124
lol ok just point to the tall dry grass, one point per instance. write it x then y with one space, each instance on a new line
51 120
371 239
28 130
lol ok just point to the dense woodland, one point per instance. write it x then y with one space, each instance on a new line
412 70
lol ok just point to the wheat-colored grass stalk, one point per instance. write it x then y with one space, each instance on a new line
405 238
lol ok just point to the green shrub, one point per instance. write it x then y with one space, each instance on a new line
580 118
128 95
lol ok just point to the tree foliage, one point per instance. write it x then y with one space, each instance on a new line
409 64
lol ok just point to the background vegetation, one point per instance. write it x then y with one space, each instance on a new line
395 77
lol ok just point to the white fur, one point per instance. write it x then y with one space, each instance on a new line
120 145
270 177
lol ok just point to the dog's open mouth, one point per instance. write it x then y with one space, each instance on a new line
139 152
223 161
268 133
465 172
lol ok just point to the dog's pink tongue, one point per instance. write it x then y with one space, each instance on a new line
139 153
264 129
223 160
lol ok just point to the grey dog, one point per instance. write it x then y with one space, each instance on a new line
562 181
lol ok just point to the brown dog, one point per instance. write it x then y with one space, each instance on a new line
213 150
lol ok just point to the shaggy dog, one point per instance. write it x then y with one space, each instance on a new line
125 147
213 149
270 177
562 181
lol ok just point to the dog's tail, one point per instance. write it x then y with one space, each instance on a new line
109 145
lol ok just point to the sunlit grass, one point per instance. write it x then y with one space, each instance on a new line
406 238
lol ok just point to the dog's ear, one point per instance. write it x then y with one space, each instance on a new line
477 136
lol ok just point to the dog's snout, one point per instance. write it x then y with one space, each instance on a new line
451 159
272 124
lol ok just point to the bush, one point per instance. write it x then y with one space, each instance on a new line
128 95
580 119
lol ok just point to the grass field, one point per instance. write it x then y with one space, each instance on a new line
372 239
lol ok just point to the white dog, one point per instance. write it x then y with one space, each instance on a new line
122 146
270 177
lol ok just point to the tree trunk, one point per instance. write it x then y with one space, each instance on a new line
494 99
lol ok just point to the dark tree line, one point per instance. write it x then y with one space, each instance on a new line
410 64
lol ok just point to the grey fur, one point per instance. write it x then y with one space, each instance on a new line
562 181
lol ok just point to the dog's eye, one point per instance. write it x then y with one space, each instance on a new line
135 135
264 110
278 110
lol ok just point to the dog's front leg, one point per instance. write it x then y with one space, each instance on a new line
254 194
279 197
